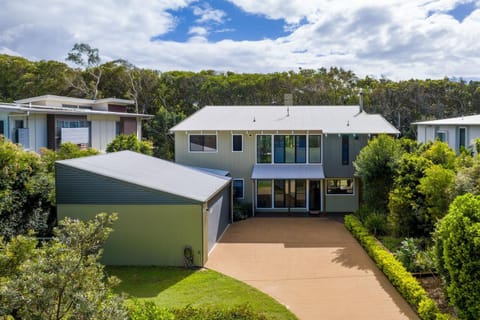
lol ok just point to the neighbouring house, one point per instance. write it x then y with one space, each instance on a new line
458 133
282 158
162 206
48 121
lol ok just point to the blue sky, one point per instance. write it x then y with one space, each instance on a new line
397 39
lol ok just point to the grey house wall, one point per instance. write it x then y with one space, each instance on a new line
218 216
332 154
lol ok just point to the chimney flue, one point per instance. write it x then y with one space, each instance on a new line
361 99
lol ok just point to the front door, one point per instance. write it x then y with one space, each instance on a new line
315 195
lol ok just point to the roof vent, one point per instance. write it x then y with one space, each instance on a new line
288 112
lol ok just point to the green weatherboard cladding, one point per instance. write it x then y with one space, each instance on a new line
147 234
75 186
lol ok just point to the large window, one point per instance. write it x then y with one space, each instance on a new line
340 186
74 136
286 194
290 149
264 193
264 149
315 149
238 191
345 150
237 142
203 143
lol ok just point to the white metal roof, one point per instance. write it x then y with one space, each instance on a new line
50 97
10 107
328 119
467 120
152 173
288 171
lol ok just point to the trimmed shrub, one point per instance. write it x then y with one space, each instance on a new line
457 252
400 278
141 310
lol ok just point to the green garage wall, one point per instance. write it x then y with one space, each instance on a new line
147 234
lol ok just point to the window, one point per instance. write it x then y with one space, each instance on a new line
289 193
462 137
442 136
264 149
118 128
2 127
203 143
340 186
238 189
345 151
237 143
315 149
72 124
290 149
264 193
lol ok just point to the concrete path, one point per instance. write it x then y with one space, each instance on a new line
312 265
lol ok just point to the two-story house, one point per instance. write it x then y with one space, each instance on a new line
48 121
282 158
459 132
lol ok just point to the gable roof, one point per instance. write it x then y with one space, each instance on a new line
152 173
328 119
467 120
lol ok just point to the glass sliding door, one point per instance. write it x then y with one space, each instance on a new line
264 193
314 196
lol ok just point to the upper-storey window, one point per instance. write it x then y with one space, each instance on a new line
203 143
237 143
315 149
264 149
290 149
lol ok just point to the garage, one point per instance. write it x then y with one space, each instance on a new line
162 207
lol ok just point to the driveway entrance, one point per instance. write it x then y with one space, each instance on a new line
312 265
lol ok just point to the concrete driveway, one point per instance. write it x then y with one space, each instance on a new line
312 265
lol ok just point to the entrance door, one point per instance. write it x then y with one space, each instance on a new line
315 196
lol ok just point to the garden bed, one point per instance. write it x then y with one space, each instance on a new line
433 285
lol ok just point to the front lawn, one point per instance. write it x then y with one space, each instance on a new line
177 287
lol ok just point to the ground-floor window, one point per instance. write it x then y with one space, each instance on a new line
340 186
238 190
290 193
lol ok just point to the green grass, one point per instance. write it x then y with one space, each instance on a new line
171 287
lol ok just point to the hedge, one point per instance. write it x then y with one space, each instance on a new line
401 279
141 310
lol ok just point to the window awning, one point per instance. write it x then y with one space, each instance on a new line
288 171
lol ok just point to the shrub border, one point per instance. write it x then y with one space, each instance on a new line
400 278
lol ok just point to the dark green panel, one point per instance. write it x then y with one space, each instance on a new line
74 186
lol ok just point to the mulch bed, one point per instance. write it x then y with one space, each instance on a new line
433 285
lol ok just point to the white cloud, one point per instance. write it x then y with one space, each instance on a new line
398 38
208 14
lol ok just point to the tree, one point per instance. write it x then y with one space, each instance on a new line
130 142
61 278
157 129
457 242
437 186
407 210
66 150
26 192
440 153
376 165
88 58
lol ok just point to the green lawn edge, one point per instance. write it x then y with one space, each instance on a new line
173 287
